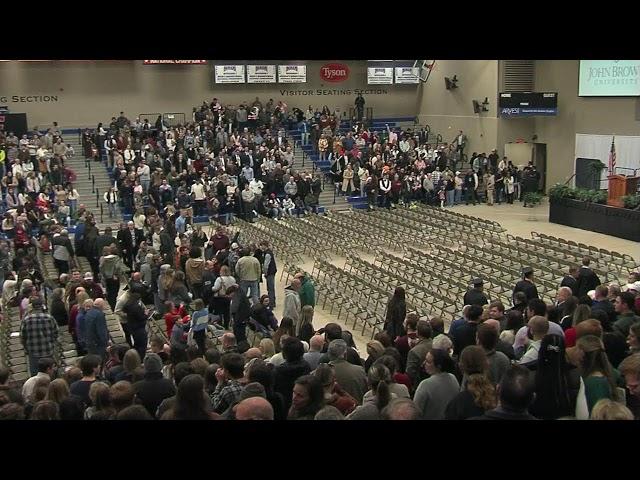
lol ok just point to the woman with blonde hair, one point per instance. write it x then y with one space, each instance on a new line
375 350
57 391
478 394
607 409
581 313
100 408
267 348
131 367
304 328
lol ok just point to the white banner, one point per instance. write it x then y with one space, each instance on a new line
407 75
292 73
599 146
229 74
261 74
380 75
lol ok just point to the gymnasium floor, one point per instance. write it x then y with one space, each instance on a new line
515 218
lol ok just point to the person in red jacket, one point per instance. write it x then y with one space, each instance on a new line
172 315
334 394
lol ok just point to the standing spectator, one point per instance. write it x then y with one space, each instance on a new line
434 393
307 290
417 355
151 391
228 389
396 313
465 334
294 366
269 268
63 254
38 334
587 279
476 296
292 307
624 306
44 370
516 392
248 274
350 377
97 334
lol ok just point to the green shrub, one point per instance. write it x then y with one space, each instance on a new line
631 201
561 191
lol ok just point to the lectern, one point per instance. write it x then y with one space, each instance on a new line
619 186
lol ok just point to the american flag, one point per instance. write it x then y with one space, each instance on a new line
612 157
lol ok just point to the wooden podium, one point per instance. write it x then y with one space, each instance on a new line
619 186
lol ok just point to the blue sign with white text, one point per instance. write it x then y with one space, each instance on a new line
527 112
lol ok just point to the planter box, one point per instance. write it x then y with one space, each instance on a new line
618 222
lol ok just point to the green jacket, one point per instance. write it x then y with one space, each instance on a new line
307 293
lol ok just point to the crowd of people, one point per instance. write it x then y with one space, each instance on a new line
222 353
37 187
225 355
226 161
396 167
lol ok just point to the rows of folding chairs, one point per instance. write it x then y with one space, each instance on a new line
311 245
282 247
454 271
623 263
423 298
468 221
348 238
352 295
548 277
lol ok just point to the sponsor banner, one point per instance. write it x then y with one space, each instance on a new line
527 112
261 74
334 72
334 91
174 62
292 73
380 75
407 75
229 74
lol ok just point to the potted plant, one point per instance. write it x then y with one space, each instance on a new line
531 199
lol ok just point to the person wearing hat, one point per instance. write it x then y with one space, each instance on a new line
475 295
526 285
91 287
154 388
38 334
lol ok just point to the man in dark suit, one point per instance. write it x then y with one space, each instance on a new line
125 243
475 295
571 280
465 335
601 302
587 278
526 285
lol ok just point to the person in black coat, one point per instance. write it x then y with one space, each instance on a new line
57 309
151 391
136 322
587 278
125 243
465 335
526 285
476 296
396 313
571 280
293 368
517 391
